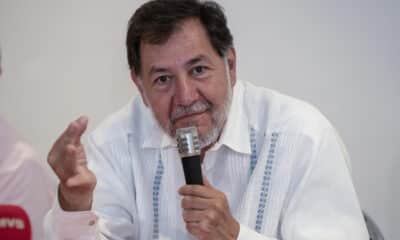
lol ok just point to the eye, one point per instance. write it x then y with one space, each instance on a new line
162 80
199 71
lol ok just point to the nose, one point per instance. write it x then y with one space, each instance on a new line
186 92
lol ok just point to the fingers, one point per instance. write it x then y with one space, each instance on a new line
67 159
85 179
72 134
194 229
75 130
210 224
209 217
67 153
192 215
198 190
202 226
189 202
206 190
206 212
74 156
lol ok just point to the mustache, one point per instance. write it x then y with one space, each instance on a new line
196 107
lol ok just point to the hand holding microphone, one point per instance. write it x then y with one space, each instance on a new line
205 209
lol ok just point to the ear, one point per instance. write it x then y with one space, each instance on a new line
139 84
231 58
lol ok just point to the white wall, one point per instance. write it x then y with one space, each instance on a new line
65 58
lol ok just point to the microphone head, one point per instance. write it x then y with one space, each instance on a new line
188 142
14 223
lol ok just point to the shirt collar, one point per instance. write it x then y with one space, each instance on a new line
155 137
235 134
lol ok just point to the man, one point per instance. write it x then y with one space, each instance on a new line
273 166
23 180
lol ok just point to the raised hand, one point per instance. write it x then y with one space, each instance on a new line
68 160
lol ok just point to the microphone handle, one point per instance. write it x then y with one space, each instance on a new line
192 169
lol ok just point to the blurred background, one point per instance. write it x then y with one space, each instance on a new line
62 59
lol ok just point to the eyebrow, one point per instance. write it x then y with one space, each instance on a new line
197 59
155 69
189 63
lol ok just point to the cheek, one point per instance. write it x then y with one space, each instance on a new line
216 94
161 109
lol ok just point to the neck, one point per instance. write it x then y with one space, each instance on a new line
203 152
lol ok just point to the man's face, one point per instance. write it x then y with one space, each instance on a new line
185 82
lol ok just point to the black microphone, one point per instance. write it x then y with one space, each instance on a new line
189 150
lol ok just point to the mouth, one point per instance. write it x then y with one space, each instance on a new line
186 112
187 117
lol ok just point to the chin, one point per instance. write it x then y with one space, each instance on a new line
209 137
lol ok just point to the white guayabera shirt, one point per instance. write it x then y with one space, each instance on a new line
279 162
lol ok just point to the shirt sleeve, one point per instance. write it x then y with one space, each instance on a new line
324 204
60 224
246 233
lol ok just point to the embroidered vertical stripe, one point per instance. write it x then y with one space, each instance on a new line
253 145
265 186
156 198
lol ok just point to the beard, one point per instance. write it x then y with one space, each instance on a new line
218 118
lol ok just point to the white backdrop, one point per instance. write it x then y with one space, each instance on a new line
66 58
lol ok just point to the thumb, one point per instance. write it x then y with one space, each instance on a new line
81 126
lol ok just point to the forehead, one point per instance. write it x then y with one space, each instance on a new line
189 40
